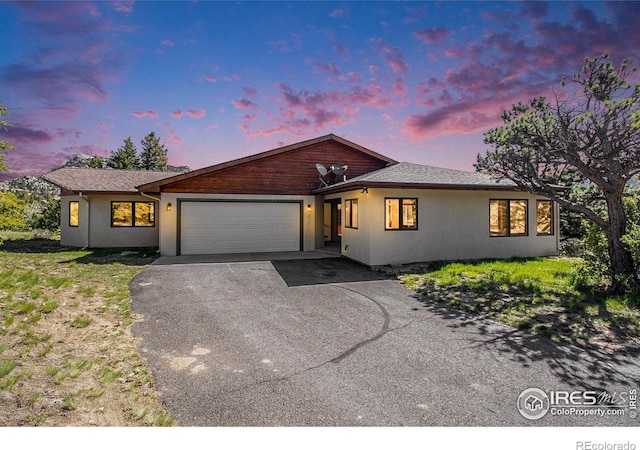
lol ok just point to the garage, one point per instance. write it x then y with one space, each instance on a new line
218 227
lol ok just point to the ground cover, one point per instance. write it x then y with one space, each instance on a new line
536 295
67 354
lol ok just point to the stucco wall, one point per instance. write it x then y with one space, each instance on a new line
451 225
74 236
169 219
94 226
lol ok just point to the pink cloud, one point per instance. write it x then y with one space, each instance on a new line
502 68
393 57
287 45
474 112
168 43
432 35
328 68
272 131
250 91
196 114
171 140
61 71
400 91
428 90
337 12
342 51
123 6
211 79
461 117
244 104
142 114
68 133
303 111
32 162
453 52
104 128
20 136
177 114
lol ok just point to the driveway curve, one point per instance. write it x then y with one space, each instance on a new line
328 342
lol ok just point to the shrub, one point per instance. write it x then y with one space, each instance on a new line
12 211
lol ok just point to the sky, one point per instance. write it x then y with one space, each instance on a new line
416 81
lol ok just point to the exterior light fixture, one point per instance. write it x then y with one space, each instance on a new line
309 208
169 207
365 191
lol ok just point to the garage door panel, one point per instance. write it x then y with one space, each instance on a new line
239 227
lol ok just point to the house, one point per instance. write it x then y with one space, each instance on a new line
103 208
307 195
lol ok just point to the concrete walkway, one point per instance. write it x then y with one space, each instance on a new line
247 257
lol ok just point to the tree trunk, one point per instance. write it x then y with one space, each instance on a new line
622 265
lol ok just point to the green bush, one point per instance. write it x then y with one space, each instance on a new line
12 211
48 216
596 272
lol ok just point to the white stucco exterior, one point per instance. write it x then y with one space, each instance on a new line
169 220
452 225
94 228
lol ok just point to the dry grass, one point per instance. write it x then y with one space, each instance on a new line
67 355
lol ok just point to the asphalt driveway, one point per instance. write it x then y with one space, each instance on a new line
327 342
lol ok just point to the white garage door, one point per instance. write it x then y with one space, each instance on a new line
208 228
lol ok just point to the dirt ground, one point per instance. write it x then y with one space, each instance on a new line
76 364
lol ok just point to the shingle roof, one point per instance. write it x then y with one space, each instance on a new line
410 174
103 180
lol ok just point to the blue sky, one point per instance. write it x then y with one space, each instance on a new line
417 81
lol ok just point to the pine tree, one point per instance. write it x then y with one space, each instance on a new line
589 136
154 154
96 162
125 157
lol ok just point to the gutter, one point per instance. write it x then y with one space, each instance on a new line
341 187
149 196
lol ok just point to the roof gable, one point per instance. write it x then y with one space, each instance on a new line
284 170
102 180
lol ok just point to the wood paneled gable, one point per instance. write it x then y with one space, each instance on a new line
288 170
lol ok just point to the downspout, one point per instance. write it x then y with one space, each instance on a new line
158 214
556 224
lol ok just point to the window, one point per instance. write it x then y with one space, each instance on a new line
401 214
544 217
133 214
73 214
351 213
508 217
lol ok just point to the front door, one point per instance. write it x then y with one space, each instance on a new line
333 220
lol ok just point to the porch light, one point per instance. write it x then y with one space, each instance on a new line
169 207
365 191
309 208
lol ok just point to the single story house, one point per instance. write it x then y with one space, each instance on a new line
103 208
304 196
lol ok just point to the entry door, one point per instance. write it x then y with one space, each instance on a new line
333 220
